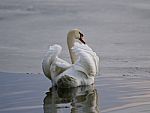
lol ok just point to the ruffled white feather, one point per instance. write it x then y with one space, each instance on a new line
82 72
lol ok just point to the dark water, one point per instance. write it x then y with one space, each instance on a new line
72 100
32 93
22 93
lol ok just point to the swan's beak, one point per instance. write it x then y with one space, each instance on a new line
82 40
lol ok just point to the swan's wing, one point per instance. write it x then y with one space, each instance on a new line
87 60
52 65
59 66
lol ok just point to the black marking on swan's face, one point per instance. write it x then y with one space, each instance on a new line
81 38
81 35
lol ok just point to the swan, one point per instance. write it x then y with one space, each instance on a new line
84 67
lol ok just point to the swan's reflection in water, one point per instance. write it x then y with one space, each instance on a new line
74 100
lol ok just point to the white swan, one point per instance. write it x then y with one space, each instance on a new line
84 67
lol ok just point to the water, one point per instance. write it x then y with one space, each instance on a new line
23 93
118 30
80 99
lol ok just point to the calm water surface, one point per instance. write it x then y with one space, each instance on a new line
23 93
32 93
118 30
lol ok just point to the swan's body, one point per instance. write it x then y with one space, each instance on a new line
82 71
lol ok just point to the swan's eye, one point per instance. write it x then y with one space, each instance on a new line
81 35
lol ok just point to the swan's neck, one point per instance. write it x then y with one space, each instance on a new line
70 42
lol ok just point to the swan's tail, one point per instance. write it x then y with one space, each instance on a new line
49 58
67 82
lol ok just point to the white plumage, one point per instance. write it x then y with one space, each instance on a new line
64 74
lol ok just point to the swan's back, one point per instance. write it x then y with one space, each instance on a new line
83 71
87 58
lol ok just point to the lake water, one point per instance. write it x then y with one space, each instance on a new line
119 32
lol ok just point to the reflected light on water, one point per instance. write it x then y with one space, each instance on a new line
71 100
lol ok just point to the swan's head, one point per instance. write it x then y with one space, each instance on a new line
76 34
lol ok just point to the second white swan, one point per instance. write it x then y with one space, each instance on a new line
84 67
